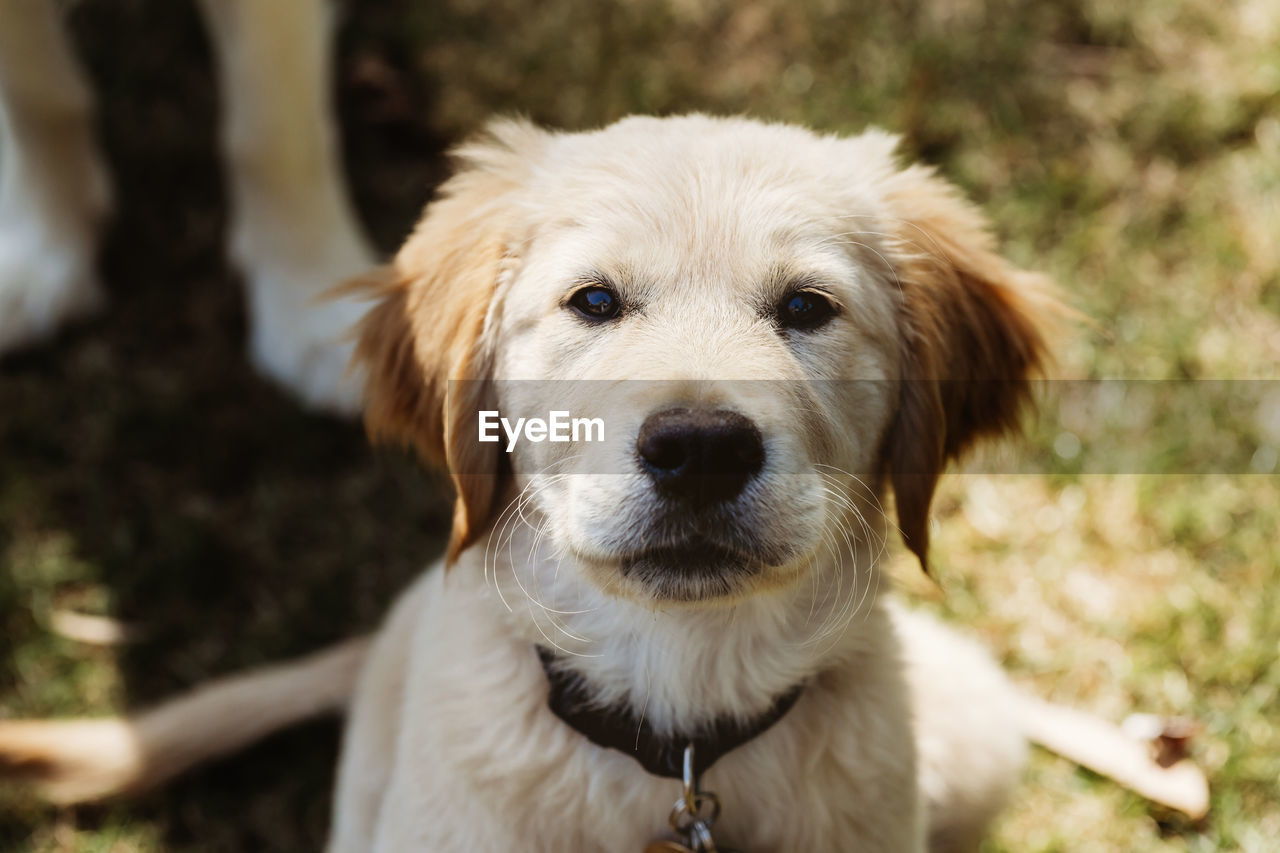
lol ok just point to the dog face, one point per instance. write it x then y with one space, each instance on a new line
768 323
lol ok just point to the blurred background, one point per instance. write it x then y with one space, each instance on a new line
1131 150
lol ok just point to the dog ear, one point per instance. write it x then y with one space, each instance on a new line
973 332
423 345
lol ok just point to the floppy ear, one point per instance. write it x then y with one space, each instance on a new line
973 340
423 344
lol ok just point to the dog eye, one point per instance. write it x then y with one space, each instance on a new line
596 303
804 310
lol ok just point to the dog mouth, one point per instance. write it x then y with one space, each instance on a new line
695 570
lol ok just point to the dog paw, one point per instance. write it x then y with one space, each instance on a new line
45 283
301 337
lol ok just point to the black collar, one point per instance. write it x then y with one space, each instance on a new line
618 728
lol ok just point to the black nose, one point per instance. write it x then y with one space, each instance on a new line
700 457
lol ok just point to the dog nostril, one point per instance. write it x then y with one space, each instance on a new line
700 457
664 450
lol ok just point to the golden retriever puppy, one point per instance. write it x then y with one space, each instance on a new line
799 322
772 329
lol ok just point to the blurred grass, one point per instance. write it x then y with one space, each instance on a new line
1131 150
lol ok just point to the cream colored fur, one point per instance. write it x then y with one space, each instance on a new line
53 186
906 737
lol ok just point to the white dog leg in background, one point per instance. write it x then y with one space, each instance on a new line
53 186
293 233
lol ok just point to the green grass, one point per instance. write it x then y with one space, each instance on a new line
1131 150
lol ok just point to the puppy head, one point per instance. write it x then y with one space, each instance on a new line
766 321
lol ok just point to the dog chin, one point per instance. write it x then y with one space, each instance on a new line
697 571
690 569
